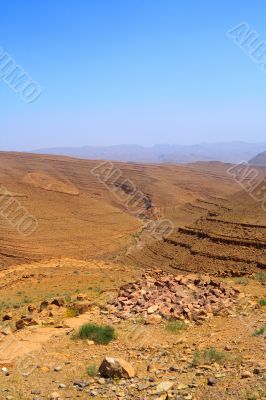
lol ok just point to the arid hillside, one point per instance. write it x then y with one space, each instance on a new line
229 240
78 216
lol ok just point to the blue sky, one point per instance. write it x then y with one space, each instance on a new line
131 71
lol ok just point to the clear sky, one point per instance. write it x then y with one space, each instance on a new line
131 71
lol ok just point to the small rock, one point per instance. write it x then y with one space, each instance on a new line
81 384
7 317
246 374
61 386
35 391
152 309
5 371
211 381
182 386
164 387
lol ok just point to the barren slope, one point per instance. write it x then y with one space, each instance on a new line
79 217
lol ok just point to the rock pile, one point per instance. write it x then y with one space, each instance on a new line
169 296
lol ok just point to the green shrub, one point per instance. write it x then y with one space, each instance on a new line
209 356
92 370
262 302
175 326
99 334
260 331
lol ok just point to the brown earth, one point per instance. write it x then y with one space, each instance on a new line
79 217
88 244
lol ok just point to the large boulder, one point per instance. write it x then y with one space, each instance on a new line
116 368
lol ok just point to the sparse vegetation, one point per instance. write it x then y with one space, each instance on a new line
175 326
262 302
242 281
209 356
140 320
99 334
260 331
92 370
260 276
71 312
67 297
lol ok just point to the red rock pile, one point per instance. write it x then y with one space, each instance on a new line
173 297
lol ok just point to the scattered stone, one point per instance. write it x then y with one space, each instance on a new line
61 386
7 317
35 391
164 387
246 374
81 384
6 331
182 386
211 381
152 309
5 371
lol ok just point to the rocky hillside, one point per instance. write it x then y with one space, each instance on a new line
228 239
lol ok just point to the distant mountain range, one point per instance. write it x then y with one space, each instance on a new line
260 159
232 152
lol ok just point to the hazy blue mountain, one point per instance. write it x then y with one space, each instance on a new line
259 159
163 153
